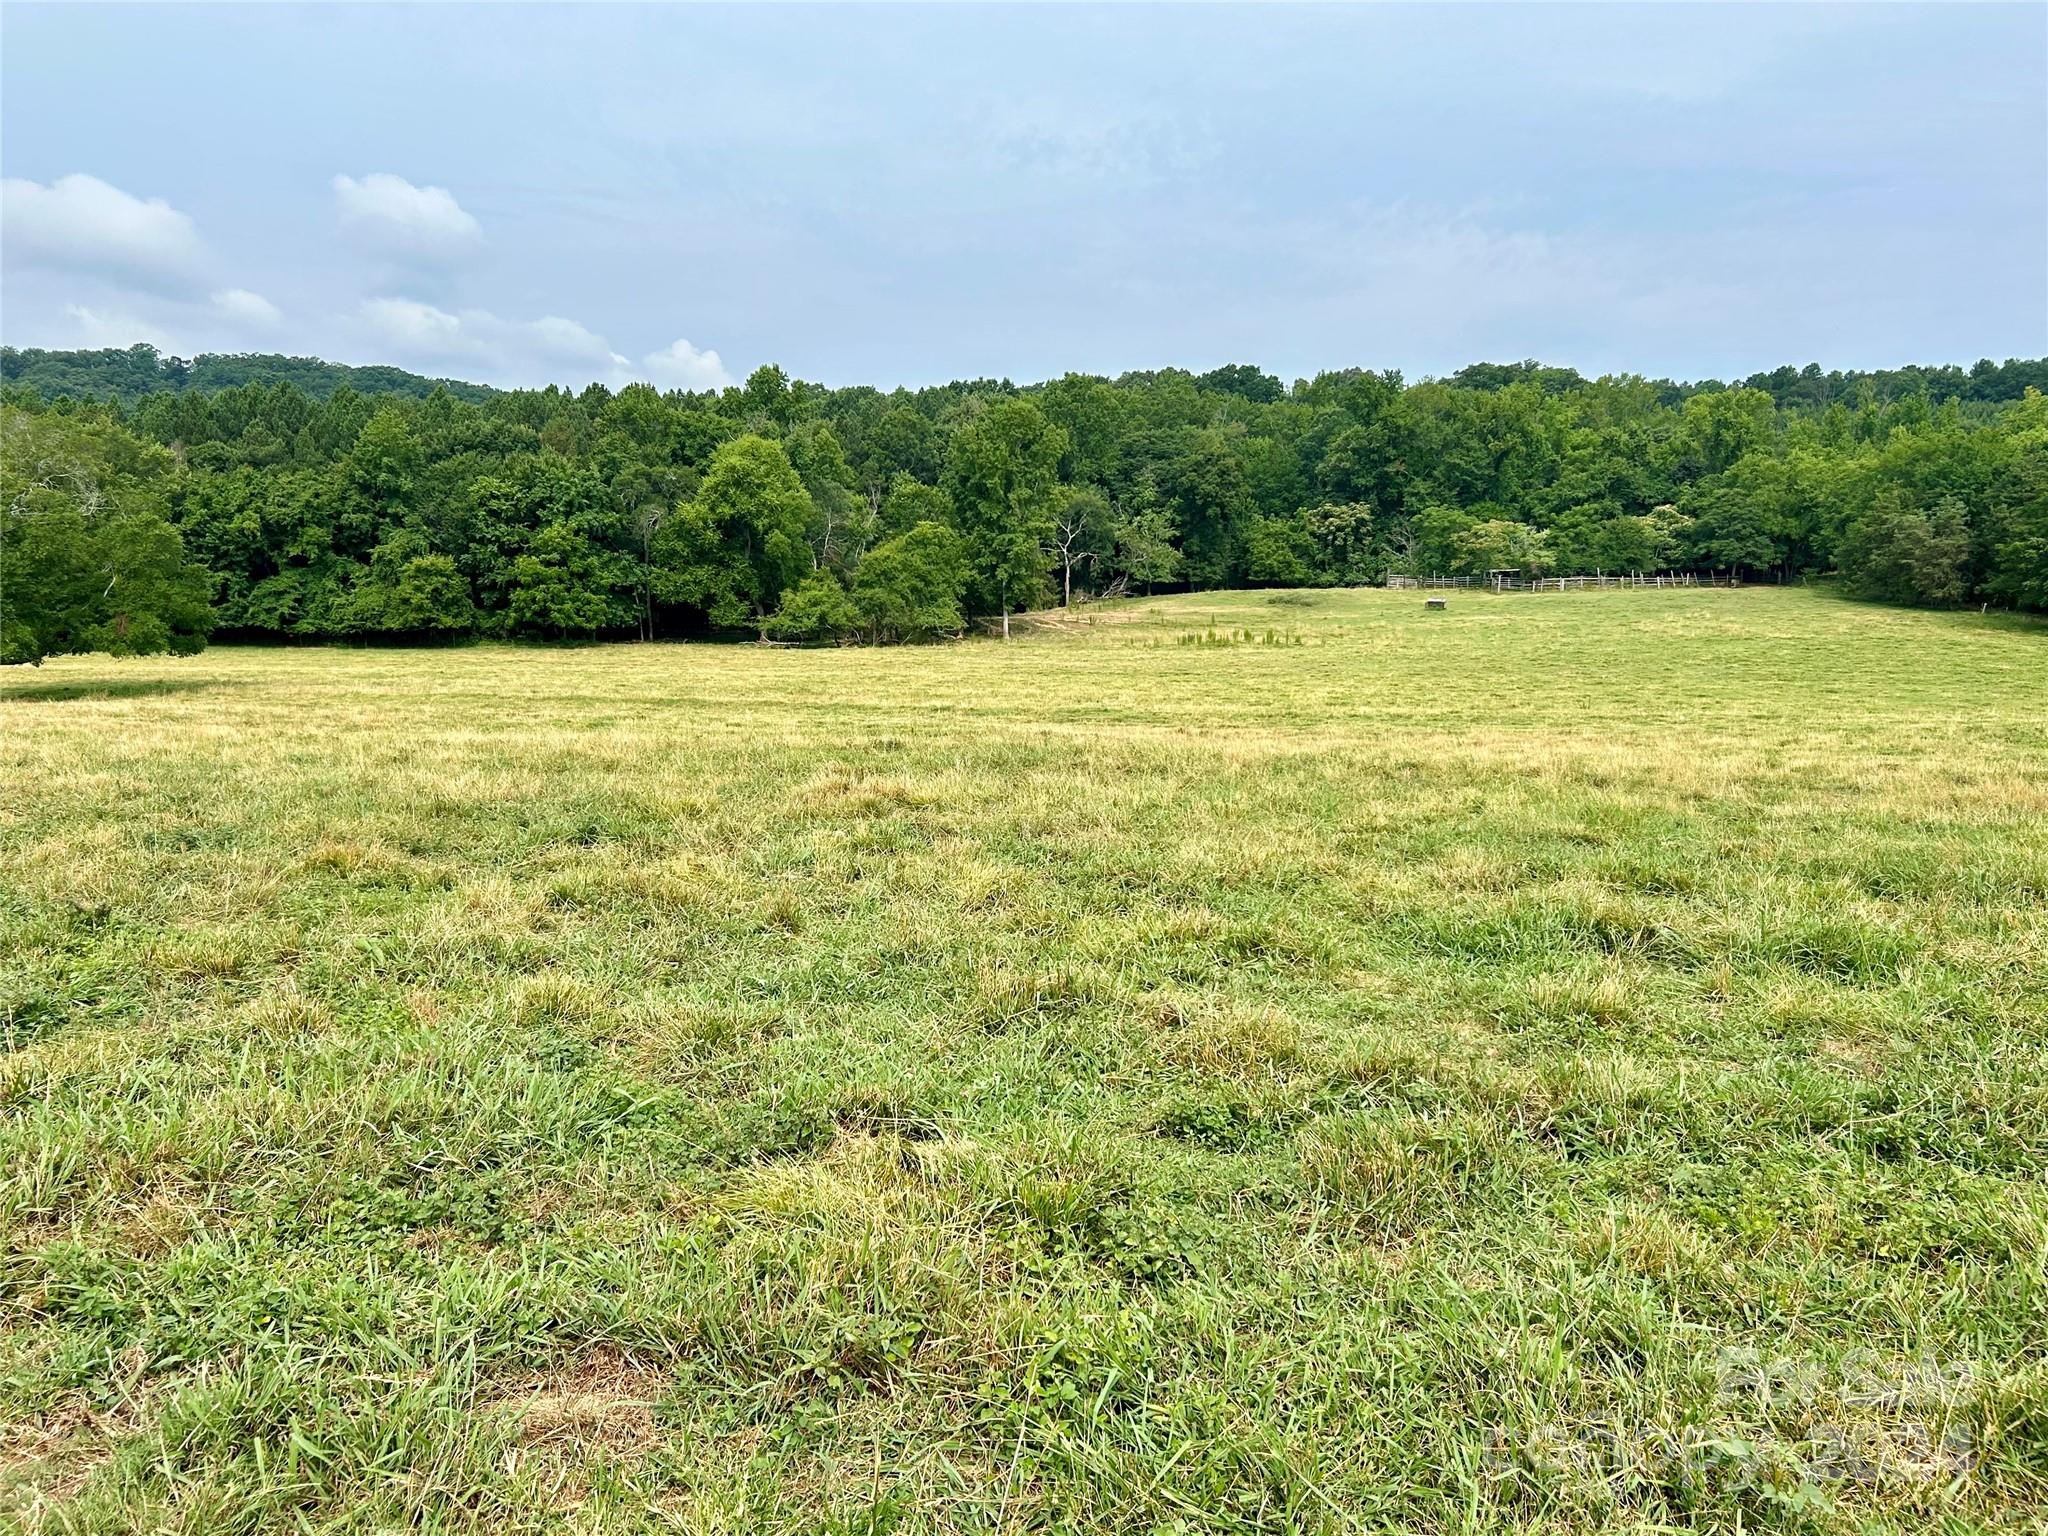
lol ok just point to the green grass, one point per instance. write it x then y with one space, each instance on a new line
1566 1063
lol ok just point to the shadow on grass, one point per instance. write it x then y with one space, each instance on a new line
59 691
1993 617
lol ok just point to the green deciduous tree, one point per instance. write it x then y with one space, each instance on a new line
1002 474
1278 551
1212 502
411 590
816 608
88 561
740 544
909 587
567 585
903 442
1902 554
1650 542
1499 544
1342 533
1433 539
1094 415
1145 551
910 502
841 523
1736 520
2019 564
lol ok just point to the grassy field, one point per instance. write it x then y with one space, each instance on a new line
1238 1062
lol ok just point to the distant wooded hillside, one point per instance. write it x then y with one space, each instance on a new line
128 373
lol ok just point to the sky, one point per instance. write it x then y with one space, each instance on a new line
908 195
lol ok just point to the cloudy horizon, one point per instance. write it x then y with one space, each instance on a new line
905 196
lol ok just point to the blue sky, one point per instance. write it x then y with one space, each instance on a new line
909 195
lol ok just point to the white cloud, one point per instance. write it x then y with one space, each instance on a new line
416 327
97 328
400 219
250 311
424 328
572 343
79 223
681 366
552 349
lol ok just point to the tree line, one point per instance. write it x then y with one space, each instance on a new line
126 374
323 506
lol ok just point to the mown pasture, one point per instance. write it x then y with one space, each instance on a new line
1235 1062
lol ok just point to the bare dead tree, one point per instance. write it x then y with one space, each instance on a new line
648 518
1068 533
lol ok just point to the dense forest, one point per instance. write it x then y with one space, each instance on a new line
126 374
149 501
